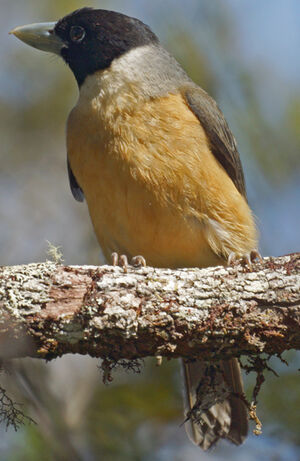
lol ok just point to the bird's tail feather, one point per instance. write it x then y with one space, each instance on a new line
213 407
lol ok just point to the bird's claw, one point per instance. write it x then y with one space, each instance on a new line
138 261
247 258
122 260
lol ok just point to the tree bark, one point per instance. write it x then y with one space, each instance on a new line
47 310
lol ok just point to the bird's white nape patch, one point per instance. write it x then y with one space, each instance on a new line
127 68
150 69
131 63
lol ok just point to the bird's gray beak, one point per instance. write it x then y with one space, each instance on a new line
40 36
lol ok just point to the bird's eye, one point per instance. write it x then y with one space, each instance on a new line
77 34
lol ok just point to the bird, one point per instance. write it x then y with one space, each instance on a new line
154 158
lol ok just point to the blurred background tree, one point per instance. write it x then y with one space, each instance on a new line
246 54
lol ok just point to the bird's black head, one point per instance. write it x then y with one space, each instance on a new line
92 39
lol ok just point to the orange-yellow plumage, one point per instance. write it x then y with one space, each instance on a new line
152 185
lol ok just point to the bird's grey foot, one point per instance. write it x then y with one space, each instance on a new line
122 260
138 261
247 258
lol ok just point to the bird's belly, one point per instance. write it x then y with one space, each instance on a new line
128 220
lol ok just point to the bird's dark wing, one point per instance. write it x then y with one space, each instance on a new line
75 188
222 142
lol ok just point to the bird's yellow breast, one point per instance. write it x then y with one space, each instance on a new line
151 183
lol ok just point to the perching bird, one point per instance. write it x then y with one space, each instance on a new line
158 165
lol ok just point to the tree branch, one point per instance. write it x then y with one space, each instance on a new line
47 310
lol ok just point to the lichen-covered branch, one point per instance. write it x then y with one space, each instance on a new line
47 310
